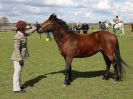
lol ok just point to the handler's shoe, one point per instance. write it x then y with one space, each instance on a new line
20 91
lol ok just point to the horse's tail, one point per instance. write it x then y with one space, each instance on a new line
119 61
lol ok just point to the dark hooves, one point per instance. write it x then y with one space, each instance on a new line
105 77
66 83
116 79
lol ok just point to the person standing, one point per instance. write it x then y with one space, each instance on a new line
102 25
48 38
85 28
78 27
20 53
116 20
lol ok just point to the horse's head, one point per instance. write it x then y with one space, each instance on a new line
47 25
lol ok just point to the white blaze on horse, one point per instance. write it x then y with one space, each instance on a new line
117 26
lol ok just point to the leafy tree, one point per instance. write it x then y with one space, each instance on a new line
4 21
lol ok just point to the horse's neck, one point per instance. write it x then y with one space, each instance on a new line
112 22
58 33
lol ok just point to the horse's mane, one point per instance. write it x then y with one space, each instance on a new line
63 23
60 22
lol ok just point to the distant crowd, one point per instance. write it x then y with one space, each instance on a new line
76 28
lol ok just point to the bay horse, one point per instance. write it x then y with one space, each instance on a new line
73 45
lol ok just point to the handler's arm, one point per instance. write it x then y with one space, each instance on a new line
30 31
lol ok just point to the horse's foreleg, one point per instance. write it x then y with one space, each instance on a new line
114 30
122 32
68 73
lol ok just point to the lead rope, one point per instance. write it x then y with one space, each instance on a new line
38 25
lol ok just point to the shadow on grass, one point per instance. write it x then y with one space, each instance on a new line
87 74
33 81
75 75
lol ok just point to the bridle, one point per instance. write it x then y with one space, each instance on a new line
40 26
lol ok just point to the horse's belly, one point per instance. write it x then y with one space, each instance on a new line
86 54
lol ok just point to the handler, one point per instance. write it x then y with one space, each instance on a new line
20 53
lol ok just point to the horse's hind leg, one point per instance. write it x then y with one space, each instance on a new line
114 63
108 63
116 75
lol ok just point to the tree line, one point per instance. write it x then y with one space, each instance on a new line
3 21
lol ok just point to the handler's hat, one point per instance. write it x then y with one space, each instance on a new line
21 25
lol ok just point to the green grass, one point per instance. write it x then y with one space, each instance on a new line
43 72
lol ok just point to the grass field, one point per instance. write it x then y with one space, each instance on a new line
43 72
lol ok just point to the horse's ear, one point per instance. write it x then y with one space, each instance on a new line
52 17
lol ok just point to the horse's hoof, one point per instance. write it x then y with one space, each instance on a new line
105 78
66 83
116 79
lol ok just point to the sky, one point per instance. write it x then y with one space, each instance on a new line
83 11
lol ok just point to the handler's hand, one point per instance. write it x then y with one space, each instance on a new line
21 62
37 25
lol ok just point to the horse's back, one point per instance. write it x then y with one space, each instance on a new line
94 42
96 35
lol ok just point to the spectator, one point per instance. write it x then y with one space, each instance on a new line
78 28
85 28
